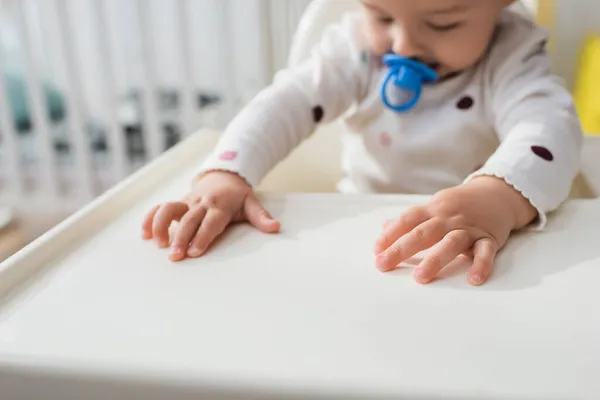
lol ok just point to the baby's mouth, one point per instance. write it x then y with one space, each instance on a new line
443 73
434 66
431 64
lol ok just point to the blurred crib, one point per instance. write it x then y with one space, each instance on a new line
91 90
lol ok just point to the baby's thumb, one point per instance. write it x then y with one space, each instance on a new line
258 216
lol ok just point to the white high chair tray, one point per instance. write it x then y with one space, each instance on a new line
90 311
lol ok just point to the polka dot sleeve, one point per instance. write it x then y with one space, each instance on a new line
539 132
284 114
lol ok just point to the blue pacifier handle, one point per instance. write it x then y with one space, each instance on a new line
407 75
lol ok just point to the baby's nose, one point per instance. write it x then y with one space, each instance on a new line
405 44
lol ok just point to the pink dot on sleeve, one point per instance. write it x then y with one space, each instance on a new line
385 139
228 155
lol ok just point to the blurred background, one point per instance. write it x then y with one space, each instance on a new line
91 90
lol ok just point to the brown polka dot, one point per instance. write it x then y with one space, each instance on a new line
465 103
478 167
542 153
318 114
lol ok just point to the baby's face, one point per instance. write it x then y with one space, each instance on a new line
447 35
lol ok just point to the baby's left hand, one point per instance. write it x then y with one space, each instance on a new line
475 218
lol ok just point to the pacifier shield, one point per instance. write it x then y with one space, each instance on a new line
403 84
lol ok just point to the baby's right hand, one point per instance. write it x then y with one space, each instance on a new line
216 200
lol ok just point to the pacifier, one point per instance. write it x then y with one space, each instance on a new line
404 81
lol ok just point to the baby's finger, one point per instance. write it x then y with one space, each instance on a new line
484 253
259 217
420 238
387 223
165 215
148 221
408 221
187 229
454 244
212 227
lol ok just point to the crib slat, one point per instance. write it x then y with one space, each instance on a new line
266 52
153 134
8 136
78 134
115 135
48 171
187 89
279 24
226 60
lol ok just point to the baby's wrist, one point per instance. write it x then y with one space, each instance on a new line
212 172
518 206
226 174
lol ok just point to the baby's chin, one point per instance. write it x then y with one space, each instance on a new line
445 72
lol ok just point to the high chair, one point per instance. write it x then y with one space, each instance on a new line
89 310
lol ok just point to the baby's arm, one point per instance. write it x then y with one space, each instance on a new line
286 113
536 122
257 139
530 173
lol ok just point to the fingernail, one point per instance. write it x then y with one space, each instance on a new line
194 252
477 278
162 243
382 261
176 250
272 225
420 276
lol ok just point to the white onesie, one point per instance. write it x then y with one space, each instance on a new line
508 116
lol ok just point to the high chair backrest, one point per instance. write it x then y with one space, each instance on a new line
321 13
316 18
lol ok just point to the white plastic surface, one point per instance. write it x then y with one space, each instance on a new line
303 314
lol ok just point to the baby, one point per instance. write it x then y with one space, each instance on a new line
493 135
